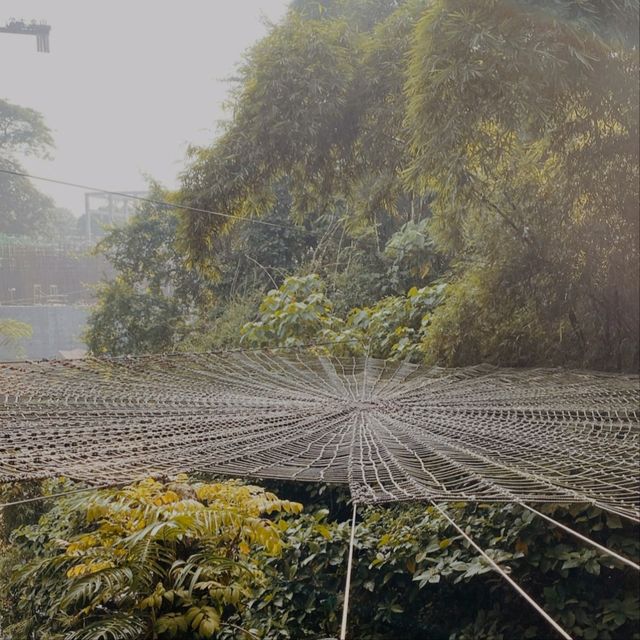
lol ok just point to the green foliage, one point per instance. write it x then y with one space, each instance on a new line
23 513
147 306
276 105
468 327
316 104
300 313
395 327
152 560
168 556
23 209
414 577
159 302
250 257
297 313
144 251
370 267
23 130
221 328
12 332
395 146
409 251
504 132
528 137
127 320
363 15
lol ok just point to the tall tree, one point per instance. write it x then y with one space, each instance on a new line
524 123
317 103
23 130
23 209
147 306
513 123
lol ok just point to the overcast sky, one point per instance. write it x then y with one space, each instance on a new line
128 84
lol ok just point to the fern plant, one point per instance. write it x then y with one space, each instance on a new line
151 560
12 333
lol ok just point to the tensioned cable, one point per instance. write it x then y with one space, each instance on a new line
5 303
178 354
161 203
589 541
62 494
343 632
496 567
347 586
390 431
584 538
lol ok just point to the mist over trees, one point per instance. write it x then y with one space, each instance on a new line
440 181
24 210
490 147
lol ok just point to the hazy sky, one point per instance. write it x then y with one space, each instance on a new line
128 84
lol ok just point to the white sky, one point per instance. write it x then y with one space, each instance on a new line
128 83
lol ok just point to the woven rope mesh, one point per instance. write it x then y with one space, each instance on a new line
390 431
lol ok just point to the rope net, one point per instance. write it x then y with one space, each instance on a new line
390 431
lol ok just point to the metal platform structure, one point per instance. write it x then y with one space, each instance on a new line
39 29
103 207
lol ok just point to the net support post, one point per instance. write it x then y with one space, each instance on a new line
347 585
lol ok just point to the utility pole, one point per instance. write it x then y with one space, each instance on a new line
38 29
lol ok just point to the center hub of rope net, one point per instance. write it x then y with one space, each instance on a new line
366 406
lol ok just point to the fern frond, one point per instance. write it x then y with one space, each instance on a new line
116 627
98 587
150 558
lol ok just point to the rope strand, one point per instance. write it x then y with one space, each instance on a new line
347 586
498 569
589 541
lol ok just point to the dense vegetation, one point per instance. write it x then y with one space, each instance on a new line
206 559
393 144
446 181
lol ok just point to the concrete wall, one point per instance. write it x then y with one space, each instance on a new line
55 328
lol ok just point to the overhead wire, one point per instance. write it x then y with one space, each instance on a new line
9 301
343 631
162 203
61 494
434 415
492 563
